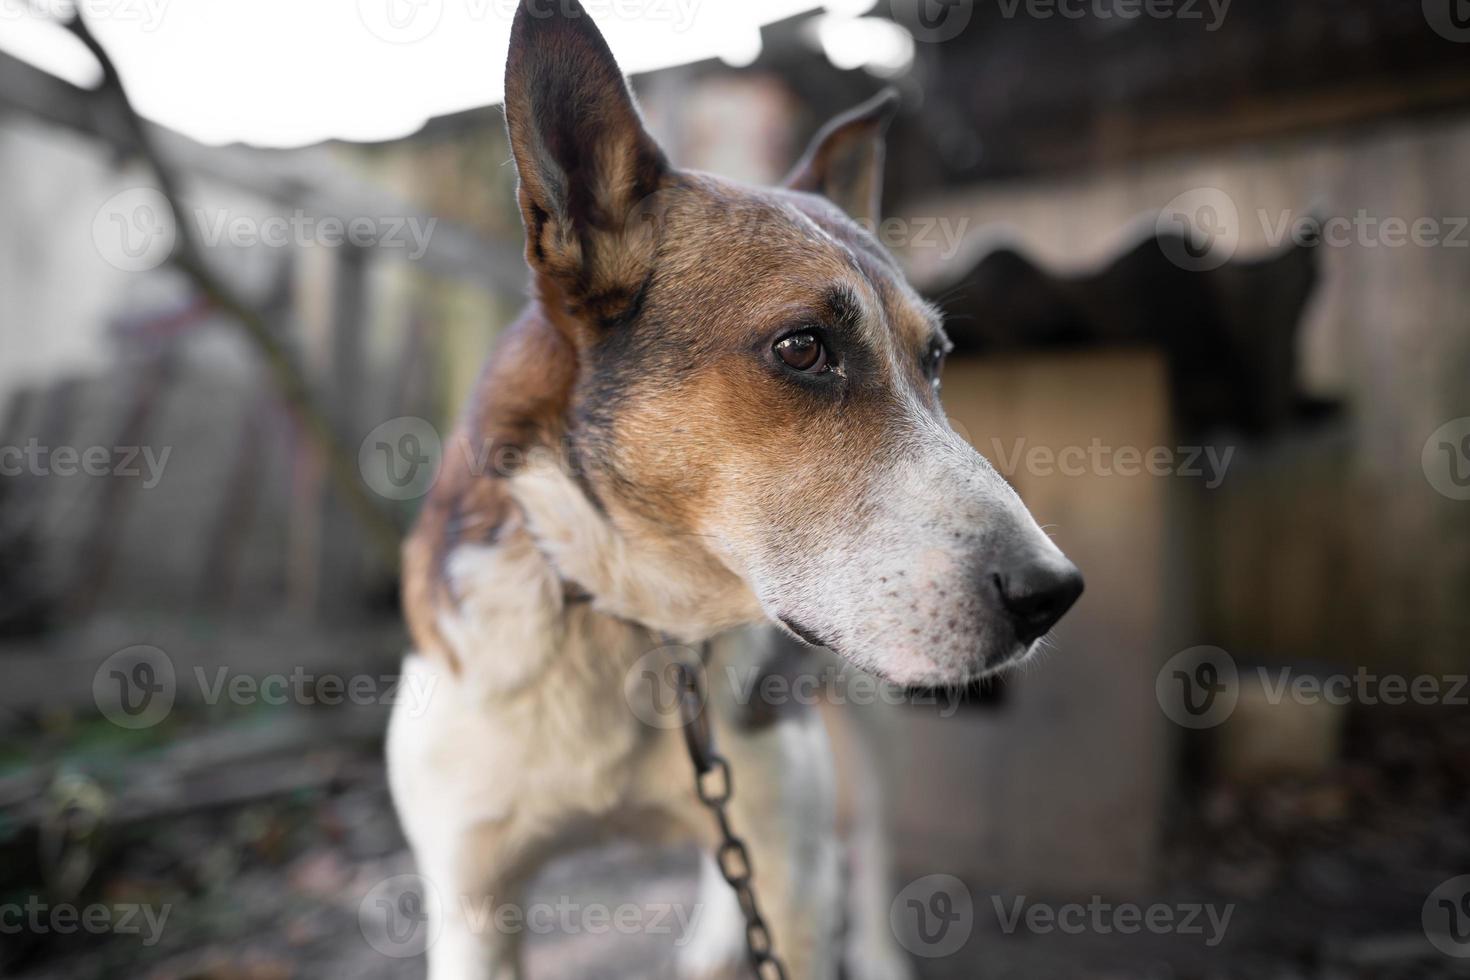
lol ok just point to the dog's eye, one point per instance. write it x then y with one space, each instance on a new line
802 352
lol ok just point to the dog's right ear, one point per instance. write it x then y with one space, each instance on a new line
583 157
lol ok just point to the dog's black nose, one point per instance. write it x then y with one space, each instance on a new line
1037 593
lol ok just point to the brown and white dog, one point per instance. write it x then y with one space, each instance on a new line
721 408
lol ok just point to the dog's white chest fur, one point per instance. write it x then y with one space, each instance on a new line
536 722
539 744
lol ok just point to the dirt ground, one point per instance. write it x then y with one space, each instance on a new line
271 867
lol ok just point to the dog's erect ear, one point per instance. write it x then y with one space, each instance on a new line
845 160
582 154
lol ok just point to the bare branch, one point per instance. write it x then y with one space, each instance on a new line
290 379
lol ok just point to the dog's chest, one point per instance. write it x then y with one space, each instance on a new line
565 739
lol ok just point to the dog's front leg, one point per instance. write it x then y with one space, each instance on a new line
458 820
470 941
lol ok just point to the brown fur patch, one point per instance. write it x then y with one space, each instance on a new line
519 403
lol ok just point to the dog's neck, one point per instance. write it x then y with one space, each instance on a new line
560 583
658 579
500 552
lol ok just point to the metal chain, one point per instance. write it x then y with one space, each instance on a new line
713 785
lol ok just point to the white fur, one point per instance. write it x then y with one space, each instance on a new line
531 748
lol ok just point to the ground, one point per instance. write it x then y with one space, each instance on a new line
268 837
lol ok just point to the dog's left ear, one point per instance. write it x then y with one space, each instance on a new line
583 157
845 160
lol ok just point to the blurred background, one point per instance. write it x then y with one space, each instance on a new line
1207 268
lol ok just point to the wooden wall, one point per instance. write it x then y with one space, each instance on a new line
1059 787
1331 544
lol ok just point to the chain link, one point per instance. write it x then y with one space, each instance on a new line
713 784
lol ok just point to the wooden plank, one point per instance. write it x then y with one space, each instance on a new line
1061 787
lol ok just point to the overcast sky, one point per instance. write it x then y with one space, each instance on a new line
291 72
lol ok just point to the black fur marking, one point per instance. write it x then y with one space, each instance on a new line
631 306
577 465
803 633
539 218
843 309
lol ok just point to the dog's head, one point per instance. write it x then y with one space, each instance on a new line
755 400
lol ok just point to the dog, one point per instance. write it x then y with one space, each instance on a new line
719 409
